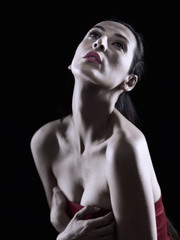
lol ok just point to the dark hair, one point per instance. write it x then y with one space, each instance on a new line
124 103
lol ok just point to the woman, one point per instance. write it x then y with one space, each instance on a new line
94 164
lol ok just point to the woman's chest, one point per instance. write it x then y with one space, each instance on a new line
83 181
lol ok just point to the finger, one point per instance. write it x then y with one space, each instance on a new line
81 214
58 196
56 188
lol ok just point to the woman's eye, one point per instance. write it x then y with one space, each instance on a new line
94 35
119 45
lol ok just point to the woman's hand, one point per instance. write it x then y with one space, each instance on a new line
101 228
58 216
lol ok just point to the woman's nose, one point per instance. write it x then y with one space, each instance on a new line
101 43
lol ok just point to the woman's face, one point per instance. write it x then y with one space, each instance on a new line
105 54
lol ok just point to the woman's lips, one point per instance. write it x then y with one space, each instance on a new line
93 57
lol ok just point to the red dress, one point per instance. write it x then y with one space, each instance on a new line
161 221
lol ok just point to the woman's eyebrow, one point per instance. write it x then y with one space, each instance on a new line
116 34
100 27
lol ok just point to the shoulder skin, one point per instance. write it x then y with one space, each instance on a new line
44 146
129 180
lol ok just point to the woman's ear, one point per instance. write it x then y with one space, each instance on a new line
69 67
130 83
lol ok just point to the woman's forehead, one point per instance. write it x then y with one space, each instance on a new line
113 27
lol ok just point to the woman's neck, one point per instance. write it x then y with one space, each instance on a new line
92 108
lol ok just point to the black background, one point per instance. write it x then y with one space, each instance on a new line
39 41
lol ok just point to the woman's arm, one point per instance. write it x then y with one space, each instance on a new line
58 215
44 147
129 180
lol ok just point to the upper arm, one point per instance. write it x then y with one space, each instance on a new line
131 190
42 144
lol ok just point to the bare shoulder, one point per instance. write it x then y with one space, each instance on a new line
128 150
127 139
44 134
45 141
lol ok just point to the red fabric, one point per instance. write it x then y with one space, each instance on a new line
73 208
161 220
